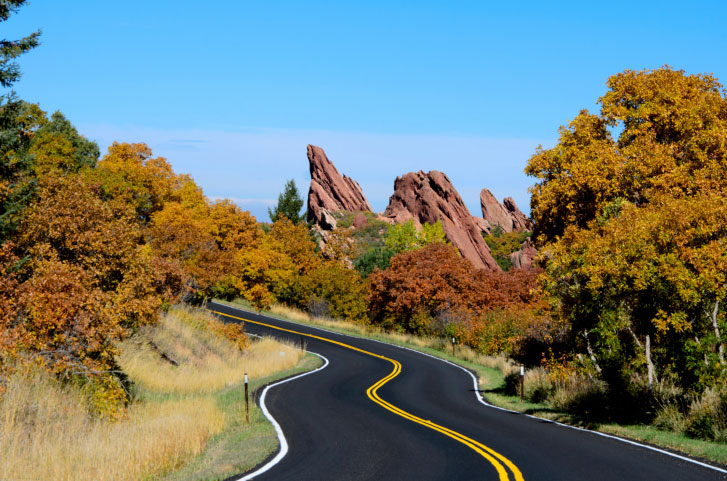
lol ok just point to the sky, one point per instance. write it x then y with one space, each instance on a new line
231 92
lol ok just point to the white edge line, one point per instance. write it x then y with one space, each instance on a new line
482 400
281 437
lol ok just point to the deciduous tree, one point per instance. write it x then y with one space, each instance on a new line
672 137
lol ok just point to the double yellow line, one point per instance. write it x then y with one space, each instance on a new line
496 459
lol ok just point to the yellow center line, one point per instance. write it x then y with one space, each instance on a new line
486 452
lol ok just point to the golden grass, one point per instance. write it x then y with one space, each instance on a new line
47 434
206 361
46 431
466 353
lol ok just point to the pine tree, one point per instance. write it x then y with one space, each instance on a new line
289 204
12 49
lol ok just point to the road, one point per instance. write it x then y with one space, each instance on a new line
362 417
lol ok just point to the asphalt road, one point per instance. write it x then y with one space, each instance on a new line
434 427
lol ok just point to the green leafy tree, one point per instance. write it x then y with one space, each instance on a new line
502 244
289 204
376 257
404 237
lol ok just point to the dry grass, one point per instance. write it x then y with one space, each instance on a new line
465 353
46 431
206 362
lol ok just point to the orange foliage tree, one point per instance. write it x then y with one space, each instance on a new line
286 267
419 285
88 280
132 178
435 290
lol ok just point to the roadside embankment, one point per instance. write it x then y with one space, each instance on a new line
186 416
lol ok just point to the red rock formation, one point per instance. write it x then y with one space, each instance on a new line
331 192
483 225
523 259
519 220
507 216
360 221
431 197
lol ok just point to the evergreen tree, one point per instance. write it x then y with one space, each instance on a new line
289 204
18 120
12 49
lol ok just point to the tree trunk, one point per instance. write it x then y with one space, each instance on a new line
590 351
715 326
651 375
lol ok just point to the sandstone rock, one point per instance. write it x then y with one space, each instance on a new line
360 221
327 221
430 197
519 220
523 259
506 215
483 225
330 191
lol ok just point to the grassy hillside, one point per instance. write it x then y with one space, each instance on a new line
187 410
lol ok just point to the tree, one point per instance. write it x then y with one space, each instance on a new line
502 244
274 270
200 240
81 152
87 281
341 290
375 258
131 177
289 204
405 236
645 289
672 129
18 120
12 49
633 230
418 285
18 124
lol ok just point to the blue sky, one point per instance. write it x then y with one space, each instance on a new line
231 92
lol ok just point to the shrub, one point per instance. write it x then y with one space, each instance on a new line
707 418
581 395
670 418
538 385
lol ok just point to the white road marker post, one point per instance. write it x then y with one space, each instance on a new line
522 382
247 405
453 346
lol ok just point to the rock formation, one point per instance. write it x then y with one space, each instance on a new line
482 224
430 197
360 221
523 259
506 215
330 192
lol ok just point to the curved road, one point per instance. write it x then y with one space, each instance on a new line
426 423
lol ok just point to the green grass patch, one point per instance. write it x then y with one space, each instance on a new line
708 450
